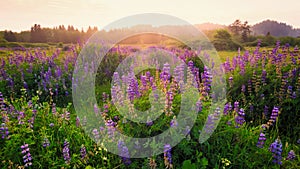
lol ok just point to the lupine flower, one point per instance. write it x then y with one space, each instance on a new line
168 156
31 122
291 155
263 77
211 118
173 122
249 86
199 106
66 152
230 79
165 74
4 131
298 141
243 89
236 106
67 115
21 116
149 122
96 109
27 159
46 142
53 109
51 124
276 149
240 118
226 109
83 152
152 163
207 79
274 116
116 118
110 128
77 121
96 134
261 140
124 153
294 95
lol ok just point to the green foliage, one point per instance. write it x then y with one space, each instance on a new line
223 41
187 164
228 146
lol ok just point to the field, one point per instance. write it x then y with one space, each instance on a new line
256 127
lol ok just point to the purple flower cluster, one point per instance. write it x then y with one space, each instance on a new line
276 149
46 142
66 152
199 106
165 74
133 89
110 128
27 159
53 109
274 116
261 140
240 118
168 156
4 131
227 108
124 153
263 77
20 117
207 79
211 119
179 73
291 155
96 135
83 152
236 106
77 121
174 122
169 101
51 124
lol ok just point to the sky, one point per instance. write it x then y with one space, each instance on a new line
17 15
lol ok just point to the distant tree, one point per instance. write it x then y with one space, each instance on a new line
9 36
222 34
245 31
240 29
223 41
37 34
236 27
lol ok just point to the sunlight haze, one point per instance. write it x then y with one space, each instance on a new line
20 15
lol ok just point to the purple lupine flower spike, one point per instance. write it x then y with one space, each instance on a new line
291 155
27 159
83 152
66 152
276 149
124 153
168 156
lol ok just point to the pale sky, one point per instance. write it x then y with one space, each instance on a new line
20 15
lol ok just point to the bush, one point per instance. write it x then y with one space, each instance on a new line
223 41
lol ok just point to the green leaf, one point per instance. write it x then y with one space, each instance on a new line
204 161
187 164
89 167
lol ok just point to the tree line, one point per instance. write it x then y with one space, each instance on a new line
38 34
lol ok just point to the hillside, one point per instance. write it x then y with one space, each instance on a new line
275 28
